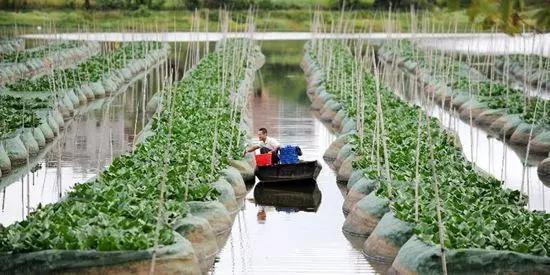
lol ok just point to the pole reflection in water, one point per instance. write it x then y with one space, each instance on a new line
268 235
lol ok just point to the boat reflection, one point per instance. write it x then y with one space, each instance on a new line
289 196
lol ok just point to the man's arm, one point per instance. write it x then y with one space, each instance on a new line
250 149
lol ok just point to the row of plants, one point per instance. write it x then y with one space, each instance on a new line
23 108
42 60
37 52
11 45
507 112
495 95
18 113
533 70
196 133
92 70
34 115
476 211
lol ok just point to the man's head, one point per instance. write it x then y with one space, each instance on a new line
262 134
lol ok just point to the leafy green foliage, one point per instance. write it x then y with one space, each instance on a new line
22 56
91 70
455 74
477 211
194 137
500 96
18 112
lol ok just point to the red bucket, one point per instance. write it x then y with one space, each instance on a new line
263 159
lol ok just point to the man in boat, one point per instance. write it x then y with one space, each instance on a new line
266 144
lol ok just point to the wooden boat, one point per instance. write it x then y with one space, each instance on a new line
304 170
289 197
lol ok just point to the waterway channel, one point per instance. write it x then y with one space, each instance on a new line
305 235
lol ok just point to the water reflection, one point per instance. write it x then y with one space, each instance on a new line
503 161
289 196
269 236
103 130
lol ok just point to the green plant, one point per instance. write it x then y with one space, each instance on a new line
119 209
18 113
477 211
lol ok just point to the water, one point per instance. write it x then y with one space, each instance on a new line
304 235
499 43
503 161
105 129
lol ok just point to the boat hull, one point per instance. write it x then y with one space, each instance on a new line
305 170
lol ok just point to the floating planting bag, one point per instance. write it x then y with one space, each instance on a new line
344 172
46 130
543 171
326 114
232 175
109 85
82 99
472 108
417 257
53 124
359 190
365 215
524 132
444 96
410 66
74 99
388 237
342 155
348 125
506 125
227 195
66 112
39 137
177 258
485 119
318 102
216 215
58 118
126 73
98 89
16 150
88 92
28 140
5 163
332 151
540 144
337 120
356 175
329 110
460 98
201 235
247 172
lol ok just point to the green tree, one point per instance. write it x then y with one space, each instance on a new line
508 15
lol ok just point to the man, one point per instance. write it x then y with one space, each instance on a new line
266 145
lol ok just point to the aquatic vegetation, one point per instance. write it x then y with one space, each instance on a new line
90 70
21 56
195 135
17 113
477 212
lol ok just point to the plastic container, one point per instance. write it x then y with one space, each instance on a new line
263 159
288 155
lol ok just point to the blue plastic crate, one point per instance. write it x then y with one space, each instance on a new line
288 155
